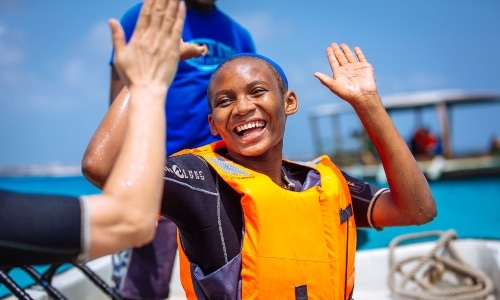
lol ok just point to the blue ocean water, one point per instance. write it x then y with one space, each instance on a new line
471 207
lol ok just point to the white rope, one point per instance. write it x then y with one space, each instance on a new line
440 274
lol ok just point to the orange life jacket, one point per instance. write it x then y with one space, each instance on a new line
296 245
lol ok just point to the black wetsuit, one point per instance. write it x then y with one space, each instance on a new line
39 228
208 213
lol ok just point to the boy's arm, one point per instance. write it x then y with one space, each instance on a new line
410 201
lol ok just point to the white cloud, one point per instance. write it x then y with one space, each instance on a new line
415 81
49 102
73 73
421 80
10 5
86 68
264 26
14 75
84 72
98 39
58 86
11 47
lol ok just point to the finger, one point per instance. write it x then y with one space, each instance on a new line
331 58
203 49
348 53
326 80
117 36
190 50
158 12
170 17
179 20
144 15
360 54
322 77
339 54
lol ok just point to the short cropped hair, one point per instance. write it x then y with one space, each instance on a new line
278 72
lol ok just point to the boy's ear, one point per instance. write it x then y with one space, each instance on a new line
291 103
211 123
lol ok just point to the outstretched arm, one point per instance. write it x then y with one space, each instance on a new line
125 213
104 146
410 201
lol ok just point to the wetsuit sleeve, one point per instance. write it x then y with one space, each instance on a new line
188 181
39 229
364 195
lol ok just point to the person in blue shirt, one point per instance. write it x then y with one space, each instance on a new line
50 228
145 272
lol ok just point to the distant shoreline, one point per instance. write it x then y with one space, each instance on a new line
41 170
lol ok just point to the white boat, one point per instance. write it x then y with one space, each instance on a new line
74 283
445 111
446 268
374 270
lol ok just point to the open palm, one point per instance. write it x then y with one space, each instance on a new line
353 76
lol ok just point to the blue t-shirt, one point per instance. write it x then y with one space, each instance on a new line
187 109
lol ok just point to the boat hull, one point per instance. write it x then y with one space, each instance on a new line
372 266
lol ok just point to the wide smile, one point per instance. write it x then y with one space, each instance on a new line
250 129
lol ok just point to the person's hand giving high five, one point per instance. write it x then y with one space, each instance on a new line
155 42
125 215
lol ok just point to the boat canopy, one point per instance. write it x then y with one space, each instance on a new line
412 100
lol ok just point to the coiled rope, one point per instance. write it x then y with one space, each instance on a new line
440 274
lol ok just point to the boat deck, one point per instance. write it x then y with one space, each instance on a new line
372 271
73 284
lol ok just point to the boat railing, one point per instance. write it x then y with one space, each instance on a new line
44 280
432 124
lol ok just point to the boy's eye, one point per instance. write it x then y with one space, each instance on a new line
223 101
258 91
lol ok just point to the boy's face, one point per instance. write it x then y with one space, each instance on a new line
249 110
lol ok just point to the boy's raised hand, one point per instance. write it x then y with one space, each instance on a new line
353 77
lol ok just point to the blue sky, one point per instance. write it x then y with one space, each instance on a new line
54 71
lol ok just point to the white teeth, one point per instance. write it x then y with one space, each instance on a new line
254 124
